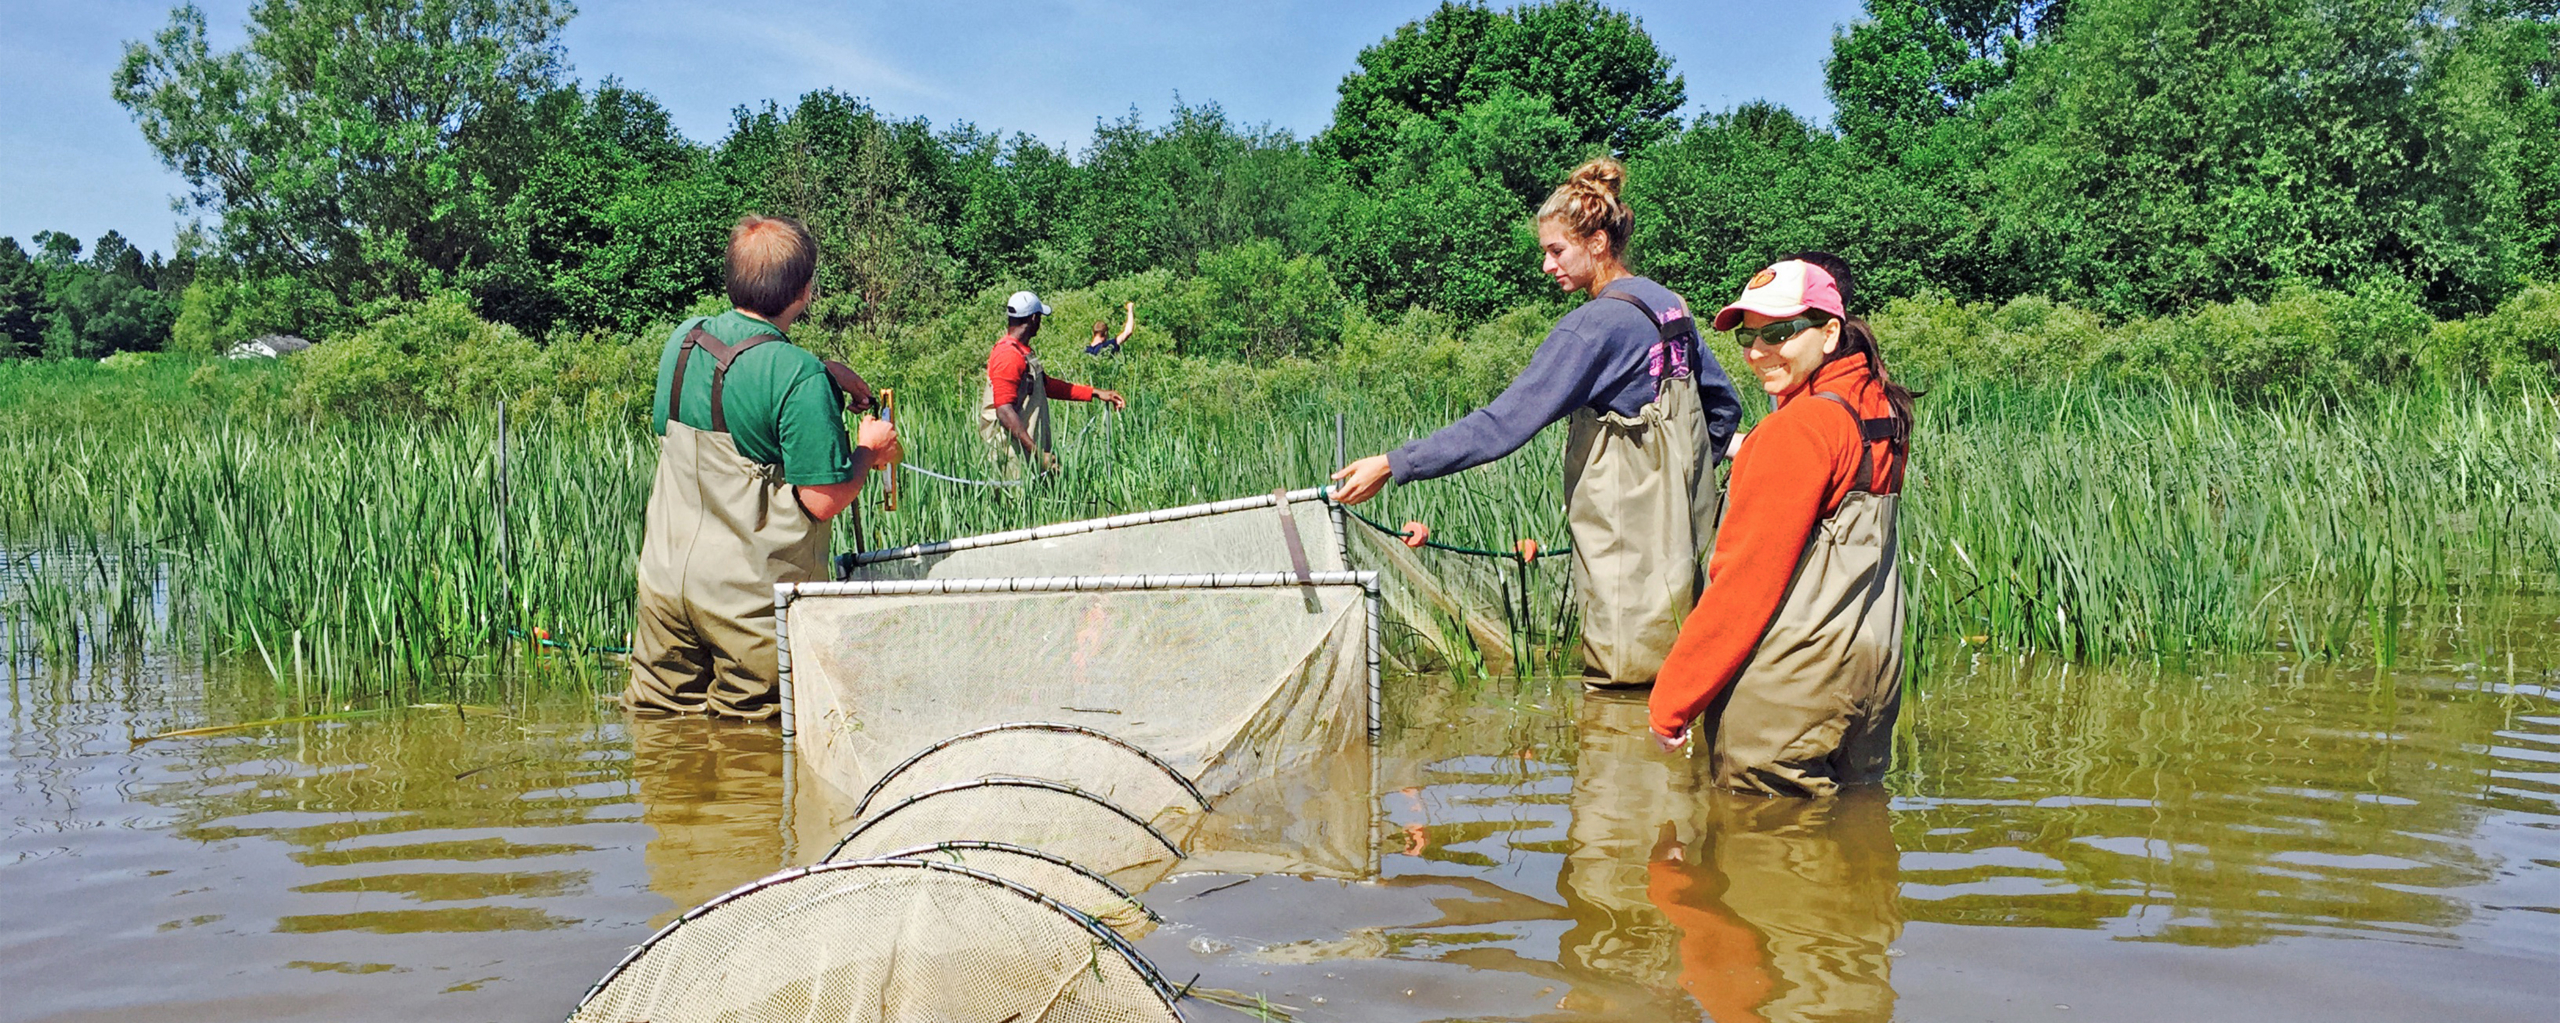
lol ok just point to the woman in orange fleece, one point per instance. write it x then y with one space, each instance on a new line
1794 653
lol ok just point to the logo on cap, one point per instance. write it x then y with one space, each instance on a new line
1762 279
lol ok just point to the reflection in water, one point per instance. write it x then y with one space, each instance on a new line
1758 908
1786 907
2221 811
713 791
2082 838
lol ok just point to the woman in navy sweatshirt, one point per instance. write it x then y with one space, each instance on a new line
1650 411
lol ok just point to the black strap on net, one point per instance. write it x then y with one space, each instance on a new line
722 353
1888 429
1297 550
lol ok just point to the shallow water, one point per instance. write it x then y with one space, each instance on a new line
2057 844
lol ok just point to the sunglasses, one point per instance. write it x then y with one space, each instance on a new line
1773 334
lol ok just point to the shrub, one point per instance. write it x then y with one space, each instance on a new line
434 357
217 312
1252 302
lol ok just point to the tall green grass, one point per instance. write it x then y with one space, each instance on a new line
2115 522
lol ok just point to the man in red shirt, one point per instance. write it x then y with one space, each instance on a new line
1015 417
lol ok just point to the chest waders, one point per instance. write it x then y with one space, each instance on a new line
1814 707
722 530
1031 401
1640 499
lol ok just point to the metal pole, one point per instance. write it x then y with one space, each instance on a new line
782 594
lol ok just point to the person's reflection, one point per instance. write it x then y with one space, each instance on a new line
1759 908
1620 948
713 791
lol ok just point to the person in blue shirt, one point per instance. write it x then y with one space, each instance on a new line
1102 345
1650 413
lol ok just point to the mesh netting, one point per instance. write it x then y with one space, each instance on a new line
1227 643
1226 683
1074 886
891 941
1454 609
1054 818
1096 762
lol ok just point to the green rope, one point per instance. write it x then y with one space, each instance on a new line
1543 550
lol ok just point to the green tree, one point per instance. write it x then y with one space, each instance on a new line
1013 205
1163 198
871 188
104 304
2531 41
1453 129
21 301
620 220
1909 63
1594 67
368 146
2172 152
1446 227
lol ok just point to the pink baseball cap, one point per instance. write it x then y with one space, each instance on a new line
1787 288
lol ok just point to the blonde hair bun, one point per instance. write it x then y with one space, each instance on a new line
1588 202
1604 175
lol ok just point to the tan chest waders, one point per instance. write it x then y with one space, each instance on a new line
1031 400
1814 707
1640 499
722 530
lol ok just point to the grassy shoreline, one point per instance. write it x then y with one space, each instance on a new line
2095 522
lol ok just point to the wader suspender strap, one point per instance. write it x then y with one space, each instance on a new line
1670 333
1869 432
723 355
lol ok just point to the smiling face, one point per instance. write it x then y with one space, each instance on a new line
1576 263
1787 367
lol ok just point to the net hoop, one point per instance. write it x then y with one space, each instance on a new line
1043 855
1029 726
1026 783
1138 962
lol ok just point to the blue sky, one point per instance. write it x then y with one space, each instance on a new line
1048 67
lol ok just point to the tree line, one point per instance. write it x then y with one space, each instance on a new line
2135 158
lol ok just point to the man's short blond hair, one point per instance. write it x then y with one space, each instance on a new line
770 260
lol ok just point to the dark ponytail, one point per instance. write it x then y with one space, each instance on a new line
1857 338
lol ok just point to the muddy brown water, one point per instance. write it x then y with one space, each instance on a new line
2259 842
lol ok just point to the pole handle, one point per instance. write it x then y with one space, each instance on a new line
889 411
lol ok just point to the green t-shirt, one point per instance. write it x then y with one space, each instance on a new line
782 409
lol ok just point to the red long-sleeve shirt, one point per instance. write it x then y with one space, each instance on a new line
1009 370
1792 472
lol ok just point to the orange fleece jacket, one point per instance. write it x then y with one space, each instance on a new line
1792 472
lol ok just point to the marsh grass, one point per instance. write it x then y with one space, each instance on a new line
2089 523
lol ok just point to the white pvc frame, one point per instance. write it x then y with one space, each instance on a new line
1194 511
784 594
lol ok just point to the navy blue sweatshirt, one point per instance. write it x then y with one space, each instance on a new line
1597 357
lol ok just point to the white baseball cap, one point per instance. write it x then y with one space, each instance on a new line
1022 304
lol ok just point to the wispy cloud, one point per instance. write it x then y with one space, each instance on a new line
849 66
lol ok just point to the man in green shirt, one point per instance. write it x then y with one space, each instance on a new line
752 462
